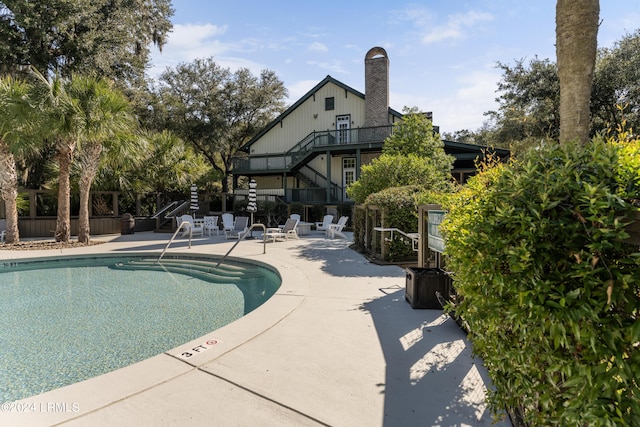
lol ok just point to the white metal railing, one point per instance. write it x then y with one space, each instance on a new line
258 225
415 237
264 241
174 236
163 210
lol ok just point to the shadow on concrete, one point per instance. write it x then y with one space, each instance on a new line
341 261
432 379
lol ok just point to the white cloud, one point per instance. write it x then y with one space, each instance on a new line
189 42
186 43
420 17
187 35
457 27
331 66
318 47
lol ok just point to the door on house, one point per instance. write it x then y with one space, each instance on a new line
343 124
348 174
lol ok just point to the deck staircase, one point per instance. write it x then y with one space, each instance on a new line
165 217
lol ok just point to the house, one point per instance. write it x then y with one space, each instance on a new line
314 149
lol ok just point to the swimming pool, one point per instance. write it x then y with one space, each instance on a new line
66 319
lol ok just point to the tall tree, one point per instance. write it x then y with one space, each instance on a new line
16 121
170 166
62 130
217 110
105 119
576 46
616 89
108 37
528 103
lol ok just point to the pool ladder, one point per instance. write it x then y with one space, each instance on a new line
257 225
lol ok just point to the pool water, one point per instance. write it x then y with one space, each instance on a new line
66 320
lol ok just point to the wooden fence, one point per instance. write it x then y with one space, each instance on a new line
46 227
105 217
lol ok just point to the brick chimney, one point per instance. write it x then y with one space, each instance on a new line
376 88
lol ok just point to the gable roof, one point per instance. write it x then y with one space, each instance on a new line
304 98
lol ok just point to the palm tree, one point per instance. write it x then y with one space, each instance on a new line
62 127
576 45
15 117
106 118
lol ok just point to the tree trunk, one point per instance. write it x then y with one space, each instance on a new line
576 45
9 192
90 162
84 228
63 222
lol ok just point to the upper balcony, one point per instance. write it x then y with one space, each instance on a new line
311 145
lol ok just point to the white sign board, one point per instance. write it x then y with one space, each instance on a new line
434 238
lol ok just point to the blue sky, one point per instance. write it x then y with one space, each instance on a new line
442 53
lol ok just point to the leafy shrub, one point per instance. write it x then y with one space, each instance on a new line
394 170
412 155
548 288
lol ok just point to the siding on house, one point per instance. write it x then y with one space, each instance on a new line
310 116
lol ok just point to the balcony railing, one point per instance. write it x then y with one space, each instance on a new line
298 195
315 140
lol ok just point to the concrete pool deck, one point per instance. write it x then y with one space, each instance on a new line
337 345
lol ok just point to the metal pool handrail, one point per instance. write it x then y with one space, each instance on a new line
264 241
174 236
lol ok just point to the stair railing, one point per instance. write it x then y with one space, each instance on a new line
257 225
264 241
174 236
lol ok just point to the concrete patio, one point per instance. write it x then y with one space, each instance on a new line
336 346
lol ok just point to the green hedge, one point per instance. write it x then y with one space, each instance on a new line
549 291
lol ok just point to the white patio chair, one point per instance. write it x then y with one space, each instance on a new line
227 222
188 224
336 229
240 228
211 225
292 216
289 230
324 225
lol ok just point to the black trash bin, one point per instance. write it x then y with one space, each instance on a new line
127 224
422 284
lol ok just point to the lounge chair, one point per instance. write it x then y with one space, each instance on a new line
227 222
324 225
3 229
292 216
288 230
186 221
240 227
336 229
211 225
